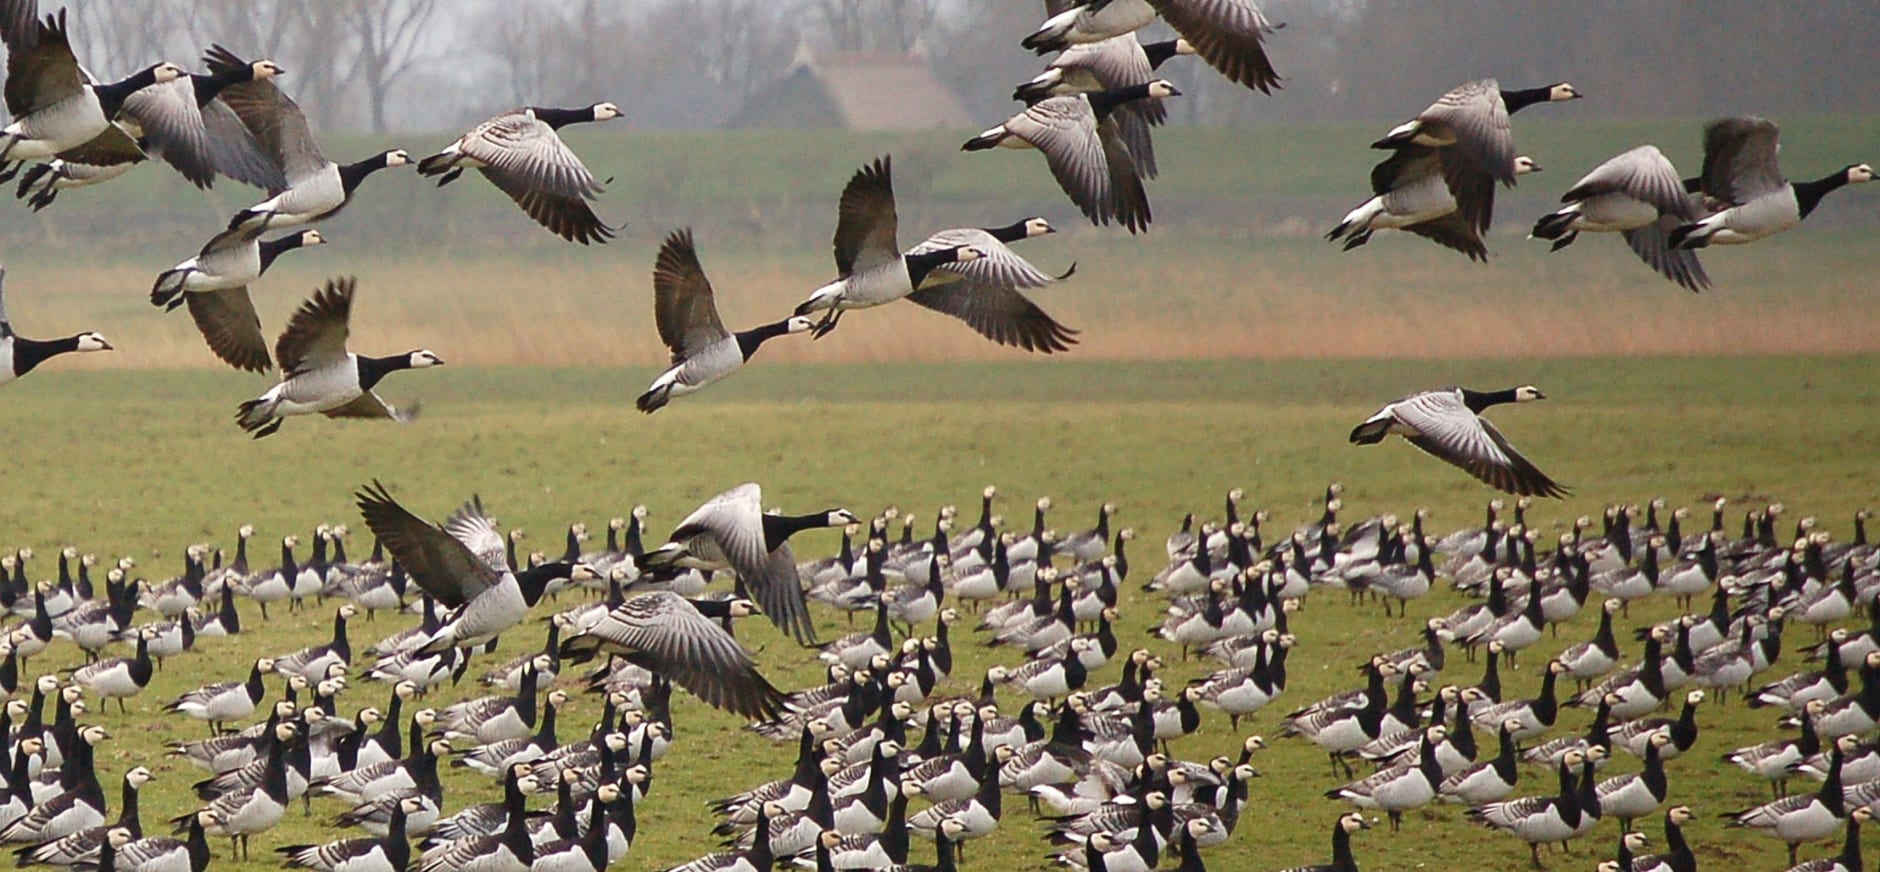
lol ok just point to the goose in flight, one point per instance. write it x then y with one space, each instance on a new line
1229 34
1638 195
665 634
985 292
19 355
686 313
214 285
463 565
318 373
1448 425
522 154
732 531
1746 191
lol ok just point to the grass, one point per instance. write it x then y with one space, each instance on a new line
144 463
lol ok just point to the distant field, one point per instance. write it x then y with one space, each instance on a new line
143 463
1233 268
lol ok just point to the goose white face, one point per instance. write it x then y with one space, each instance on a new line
423 358
1524 165
840 518
1859 173
265 70
1184 47
92 342
1563 91
1162 88
397 157
168 72
1038 227
605 111
1527 394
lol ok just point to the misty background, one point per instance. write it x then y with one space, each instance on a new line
401 65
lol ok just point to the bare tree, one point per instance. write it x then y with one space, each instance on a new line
388 34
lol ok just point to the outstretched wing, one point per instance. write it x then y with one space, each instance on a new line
436 560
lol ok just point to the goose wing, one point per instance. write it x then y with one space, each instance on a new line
228 323
1132 200
866 224
664 633
236 152
474 527
41 69
998 313
1452 231
316 336
524 158
1443 427
1740 159
441 564
1405 166
1133 122
780 595
733 521
1228 34
1652 243
1065 129
1476 116
173 124
684 308
1000 266
1644 174
113 147
371 405
274 120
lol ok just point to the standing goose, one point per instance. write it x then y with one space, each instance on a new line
119 678
1538 820
1636 794
310 188
214 284
1849 859
872 269
732 531
318 373
1640 196
984 292
1447 424
1743 183
686 313
1400 788
460 563
1469 125
1798 819
1228 34
1342 860
1117 62
54 103
19 355
389 854
1085 150
225 701
1410 194
521 154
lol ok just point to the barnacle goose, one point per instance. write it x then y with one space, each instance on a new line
522 154
1448 425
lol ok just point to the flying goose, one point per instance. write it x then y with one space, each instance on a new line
318 373
1117 62
214 284
54 103
732 531
1228 34
1085 150
310 187
521 154
872 269
19 355
1447 424
1469 127
665 634
41 183
686 313
461 564
1640 196
1745 188
1411 194
984 292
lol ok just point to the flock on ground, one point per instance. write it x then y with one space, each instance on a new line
1099 759
894 755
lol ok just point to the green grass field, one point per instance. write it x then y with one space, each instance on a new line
141 464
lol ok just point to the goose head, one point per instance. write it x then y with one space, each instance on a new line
1524 165
1352 822
1858 173
1034 227
1560 92
167 72
605 111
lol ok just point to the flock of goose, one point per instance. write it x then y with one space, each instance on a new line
1088 731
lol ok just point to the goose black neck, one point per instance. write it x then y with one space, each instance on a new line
559 118
779 528
1159 52
749 340
372 369
273 248
350 175
1525 97
1479 400
29 353
208 87
1105 102
1808 194
920 264
1341 848
111 96
1010 233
